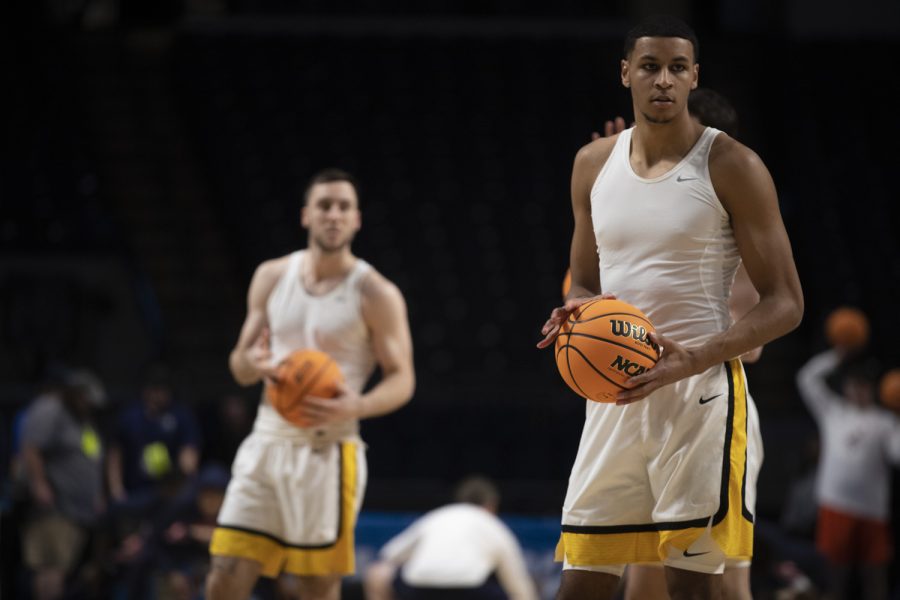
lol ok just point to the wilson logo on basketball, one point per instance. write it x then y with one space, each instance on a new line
626 329
630 368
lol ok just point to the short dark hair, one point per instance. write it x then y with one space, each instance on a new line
713 110
330 175
662 26
477 490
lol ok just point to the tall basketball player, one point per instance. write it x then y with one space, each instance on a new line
664 214
295 492
712 109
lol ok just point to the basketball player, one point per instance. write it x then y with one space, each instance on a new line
295 492
710 108
664 213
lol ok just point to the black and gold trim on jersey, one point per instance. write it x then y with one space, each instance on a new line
276 555
731 525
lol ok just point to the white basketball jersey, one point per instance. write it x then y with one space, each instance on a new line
331 322
666 244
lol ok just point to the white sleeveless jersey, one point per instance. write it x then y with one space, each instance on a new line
332 323
666 244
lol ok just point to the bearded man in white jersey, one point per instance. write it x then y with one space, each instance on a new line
664 214
295 492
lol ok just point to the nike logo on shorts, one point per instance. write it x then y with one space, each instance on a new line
710 399
691 554
680 179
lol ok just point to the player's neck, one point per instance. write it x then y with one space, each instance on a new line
655 142
328 265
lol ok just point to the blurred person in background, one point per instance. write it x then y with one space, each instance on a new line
295 491
61 454
156 442
859 441
154 451
461 550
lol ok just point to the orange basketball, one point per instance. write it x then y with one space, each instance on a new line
847 328
889 390
604 343
303 373
567 282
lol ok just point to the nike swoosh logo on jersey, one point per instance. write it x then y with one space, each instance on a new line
690 554
680 179
710 399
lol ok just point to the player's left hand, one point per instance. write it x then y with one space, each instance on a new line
325 411
675 363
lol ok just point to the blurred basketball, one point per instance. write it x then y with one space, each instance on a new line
847 328
602 345
303 373
567 282
889 390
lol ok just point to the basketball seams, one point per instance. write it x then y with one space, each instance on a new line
596 370
571 374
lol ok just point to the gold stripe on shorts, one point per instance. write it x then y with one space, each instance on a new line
276 556
732 525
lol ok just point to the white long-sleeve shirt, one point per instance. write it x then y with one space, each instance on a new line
460 545
857 445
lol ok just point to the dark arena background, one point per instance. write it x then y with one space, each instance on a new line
156 152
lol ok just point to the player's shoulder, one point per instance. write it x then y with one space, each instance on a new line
730 157
272 268
595 153
375 287
266 276
589 161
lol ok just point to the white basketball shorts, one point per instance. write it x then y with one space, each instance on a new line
671 478
291 505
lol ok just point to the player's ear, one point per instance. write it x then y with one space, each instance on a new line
304 217
696 80
625 82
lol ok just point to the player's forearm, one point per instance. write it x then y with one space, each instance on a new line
392 392
580 291
242 370
770 319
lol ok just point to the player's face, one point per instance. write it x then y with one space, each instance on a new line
661 72
331 215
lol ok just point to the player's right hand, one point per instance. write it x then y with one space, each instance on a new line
561 313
